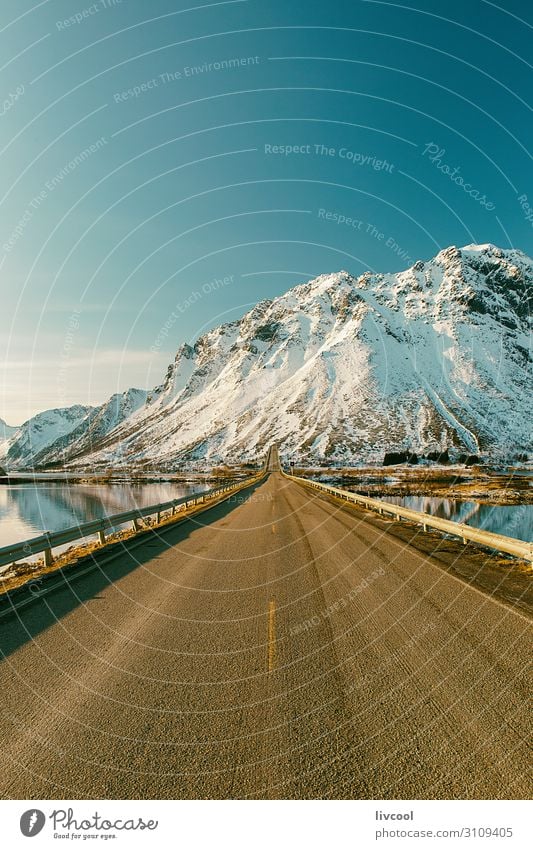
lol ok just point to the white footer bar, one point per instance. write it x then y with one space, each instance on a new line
267 824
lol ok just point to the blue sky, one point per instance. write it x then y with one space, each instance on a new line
167 165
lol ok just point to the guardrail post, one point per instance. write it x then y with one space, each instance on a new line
135 524
48 558
158 517
101 537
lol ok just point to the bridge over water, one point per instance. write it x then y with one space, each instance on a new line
280 644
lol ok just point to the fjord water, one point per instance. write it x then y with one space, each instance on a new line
513 521
28 509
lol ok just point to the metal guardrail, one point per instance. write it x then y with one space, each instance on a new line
498 542
46 542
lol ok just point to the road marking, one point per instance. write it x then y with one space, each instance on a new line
271 635
273 529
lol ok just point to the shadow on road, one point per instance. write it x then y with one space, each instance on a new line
59 593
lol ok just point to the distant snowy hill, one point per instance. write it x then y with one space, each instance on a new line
89 432
40 431
340 369
6 433
56 435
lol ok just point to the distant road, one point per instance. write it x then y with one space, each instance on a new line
273 463
276 647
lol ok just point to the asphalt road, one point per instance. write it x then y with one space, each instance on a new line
275 647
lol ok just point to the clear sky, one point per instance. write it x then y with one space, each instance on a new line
166 165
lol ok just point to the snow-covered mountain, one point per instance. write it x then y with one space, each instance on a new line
341 369
40 431
89 432
6 433
60 434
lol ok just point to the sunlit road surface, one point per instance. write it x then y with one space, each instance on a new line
275 647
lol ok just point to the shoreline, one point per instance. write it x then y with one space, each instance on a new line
459 483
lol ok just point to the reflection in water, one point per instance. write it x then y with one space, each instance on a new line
26 510
512 521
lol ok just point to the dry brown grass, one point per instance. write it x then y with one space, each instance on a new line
459 483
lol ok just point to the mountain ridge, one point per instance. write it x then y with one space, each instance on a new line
338 369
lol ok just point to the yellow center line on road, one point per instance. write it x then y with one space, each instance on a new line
271 635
